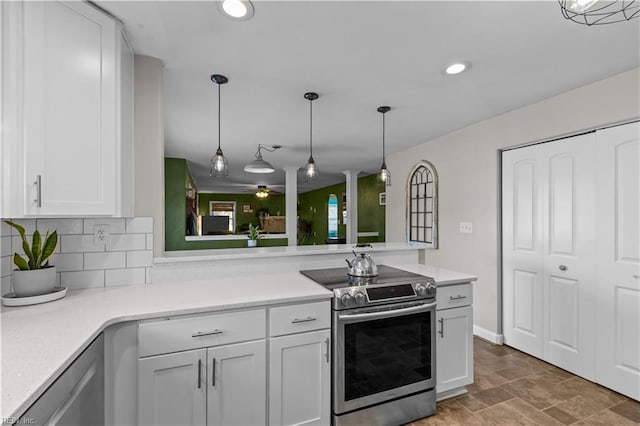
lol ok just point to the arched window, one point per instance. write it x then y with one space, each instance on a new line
422 204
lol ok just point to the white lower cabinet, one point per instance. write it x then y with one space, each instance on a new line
454 340
236 393
172 389
300 380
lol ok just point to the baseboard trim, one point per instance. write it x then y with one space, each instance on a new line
485 334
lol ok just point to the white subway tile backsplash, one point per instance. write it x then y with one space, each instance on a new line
79 244
126 242
67 262
5 243
124 276
6 266
108 260
116 226
139 258
82 279
62 226
149 241
5 284
139 225
5 230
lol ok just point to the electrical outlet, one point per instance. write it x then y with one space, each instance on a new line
466 227
100 234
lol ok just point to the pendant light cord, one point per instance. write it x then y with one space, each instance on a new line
383 132
310 128
218 116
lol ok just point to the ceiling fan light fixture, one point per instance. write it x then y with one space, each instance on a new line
240 10
310 169
219 163
384 175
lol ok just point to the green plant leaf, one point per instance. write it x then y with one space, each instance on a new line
49 247
36 249
20 228
20 262
25 243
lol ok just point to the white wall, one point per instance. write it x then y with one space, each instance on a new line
467 162
149 145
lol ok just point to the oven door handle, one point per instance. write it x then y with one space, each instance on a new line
383 314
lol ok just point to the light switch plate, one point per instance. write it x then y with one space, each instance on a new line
466 227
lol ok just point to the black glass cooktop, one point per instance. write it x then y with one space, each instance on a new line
333 278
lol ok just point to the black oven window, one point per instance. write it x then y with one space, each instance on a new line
386 354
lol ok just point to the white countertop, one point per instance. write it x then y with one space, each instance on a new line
283 251
40 341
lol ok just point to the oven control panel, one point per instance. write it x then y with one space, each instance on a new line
358 296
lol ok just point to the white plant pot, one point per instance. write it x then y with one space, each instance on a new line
252 243
34 282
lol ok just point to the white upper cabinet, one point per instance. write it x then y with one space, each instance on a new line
71 114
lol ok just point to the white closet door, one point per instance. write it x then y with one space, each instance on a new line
569 254
618 236
522 245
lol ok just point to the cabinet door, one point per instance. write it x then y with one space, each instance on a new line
236 392
172 389
618 236
454 346
300 380
69 109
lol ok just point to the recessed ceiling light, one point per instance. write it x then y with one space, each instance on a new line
457 68
240 10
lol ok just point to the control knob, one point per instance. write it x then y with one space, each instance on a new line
359 298
421 289
346 299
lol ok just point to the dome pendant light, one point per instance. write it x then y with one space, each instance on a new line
310 169
219 164
384 175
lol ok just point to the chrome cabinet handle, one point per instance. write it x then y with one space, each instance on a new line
458 297
207 333
213 374
38 184
562 267
199 372
441 332
298 320
326 354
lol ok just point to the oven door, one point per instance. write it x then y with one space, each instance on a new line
382 353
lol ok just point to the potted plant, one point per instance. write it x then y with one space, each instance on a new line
34 275
254 234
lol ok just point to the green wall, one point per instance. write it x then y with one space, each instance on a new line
274 203
176 174
313 205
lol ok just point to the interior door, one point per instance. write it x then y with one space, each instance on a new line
618 236
569 254
522 248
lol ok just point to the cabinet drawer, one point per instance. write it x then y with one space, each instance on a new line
300 318
454 296
179 334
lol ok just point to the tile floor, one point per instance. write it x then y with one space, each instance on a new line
512 388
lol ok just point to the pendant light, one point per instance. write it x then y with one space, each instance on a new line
595 12
384 175
260 165
219 164
310 169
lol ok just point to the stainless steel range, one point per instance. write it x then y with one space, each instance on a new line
383 346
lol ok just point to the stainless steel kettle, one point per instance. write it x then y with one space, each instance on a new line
362 265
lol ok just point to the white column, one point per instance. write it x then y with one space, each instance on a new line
291 204
352 206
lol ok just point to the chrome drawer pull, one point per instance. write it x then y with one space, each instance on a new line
38 184
207 333
307 319
199 372
441 332
328 348
458 297
213 372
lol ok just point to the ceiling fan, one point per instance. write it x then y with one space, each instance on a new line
262 191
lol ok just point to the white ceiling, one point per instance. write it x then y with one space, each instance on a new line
357 55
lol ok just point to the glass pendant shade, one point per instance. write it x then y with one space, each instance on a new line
384 175
310 170
599 12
